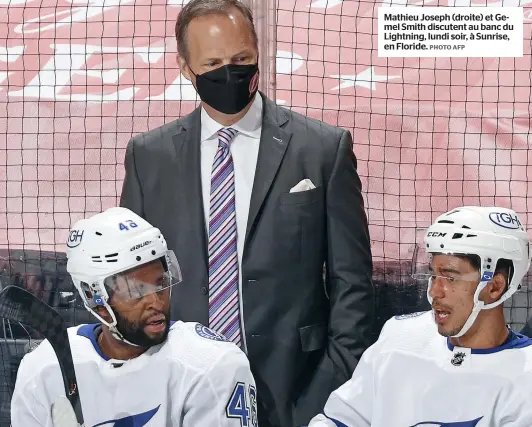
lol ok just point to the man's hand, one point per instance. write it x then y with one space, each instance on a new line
63 414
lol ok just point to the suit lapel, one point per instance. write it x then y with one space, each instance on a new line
188 180
273 144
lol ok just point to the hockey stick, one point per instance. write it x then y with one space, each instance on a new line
18 305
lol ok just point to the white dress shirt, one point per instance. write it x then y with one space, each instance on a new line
244 150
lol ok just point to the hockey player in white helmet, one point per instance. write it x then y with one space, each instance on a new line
134 367
457 365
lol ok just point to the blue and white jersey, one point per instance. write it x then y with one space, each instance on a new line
414 377
195 378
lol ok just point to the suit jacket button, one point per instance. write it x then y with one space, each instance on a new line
204 290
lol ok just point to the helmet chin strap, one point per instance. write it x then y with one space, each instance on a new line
116 333
477 307
112 326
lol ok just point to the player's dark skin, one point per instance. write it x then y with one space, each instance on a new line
214 41
456 300
134 315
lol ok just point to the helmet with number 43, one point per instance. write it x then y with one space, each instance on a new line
105 250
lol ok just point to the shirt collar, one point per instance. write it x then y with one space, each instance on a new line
248 125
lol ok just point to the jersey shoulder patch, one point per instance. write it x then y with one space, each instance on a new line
409 315
205 332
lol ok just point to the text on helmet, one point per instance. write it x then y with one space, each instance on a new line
505 220
140 245
435 234
74 238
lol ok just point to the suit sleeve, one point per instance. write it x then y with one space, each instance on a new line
349 263
352 403
26 410
132 197
225 397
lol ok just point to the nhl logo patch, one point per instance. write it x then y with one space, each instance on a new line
205 332
458 358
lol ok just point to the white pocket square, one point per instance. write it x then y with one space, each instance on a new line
303 185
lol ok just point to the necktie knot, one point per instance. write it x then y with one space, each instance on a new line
226 136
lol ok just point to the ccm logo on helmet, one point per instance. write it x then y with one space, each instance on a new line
140 245
436 234
505 220
74 238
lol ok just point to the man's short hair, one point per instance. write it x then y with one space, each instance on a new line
198 8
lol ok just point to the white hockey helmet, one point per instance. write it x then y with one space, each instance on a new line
107 244
492 234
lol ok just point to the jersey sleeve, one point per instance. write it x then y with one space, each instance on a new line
352 403
26 410
226 396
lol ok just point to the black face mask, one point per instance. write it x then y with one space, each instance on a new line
230 88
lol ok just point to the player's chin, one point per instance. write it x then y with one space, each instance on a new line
444 323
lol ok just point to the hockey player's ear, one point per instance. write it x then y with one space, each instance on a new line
104 314
496 287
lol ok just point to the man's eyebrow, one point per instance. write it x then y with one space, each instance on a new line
245 51
450 270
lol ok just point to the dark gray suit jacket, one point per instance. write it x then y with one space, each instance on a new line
304 336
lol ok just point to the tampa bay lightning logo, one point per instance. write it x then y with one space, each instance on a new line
205 332
138 420
471 423
487 276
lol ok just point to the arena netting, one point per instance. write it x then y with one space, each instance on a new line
79 78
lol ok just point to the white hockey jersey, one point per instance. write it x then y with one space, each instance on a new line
194 379
412 376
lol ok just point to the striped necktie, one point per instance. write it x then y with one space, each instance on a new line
224 307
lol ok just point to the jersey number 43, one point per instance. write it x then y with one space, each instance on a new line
243 405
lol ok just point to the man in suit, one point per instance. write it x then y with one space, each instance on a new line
255 200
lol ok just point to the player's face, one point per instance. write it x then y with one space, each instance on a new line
217 40
144 321
454 284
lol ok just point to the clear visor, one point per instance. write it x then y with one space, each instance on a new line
157 276
422 272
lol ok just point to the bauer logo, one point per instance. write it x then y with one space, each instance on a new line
74 238
505 220
140 245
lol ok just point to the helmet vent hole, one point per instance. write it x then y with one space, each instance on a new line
457 235
153 252
445 221
138 258
465 226
111 257
441 246
98 233
471 235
